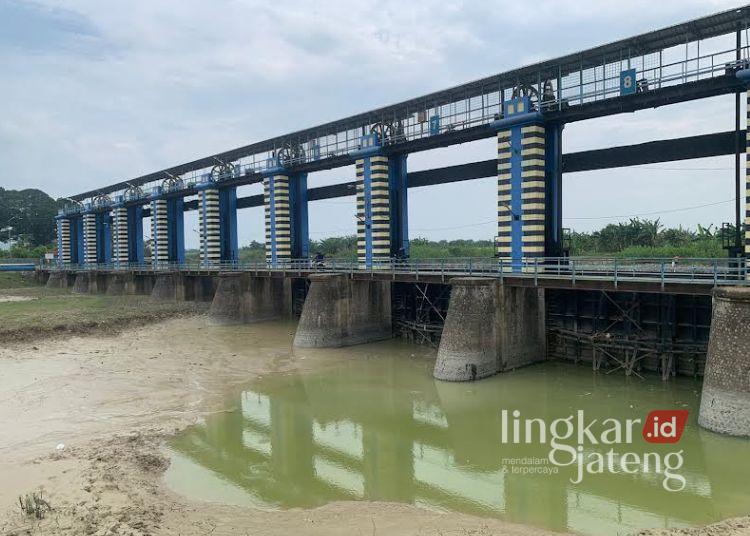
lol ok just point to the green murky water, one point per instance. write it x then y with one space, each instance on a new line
372 424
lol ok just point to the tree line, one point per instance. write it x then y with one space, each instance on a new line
634 238
27 221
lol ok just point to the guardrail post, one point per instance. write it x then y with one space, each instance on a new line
536 272
573 271
662 275
716 275
470 267
615 272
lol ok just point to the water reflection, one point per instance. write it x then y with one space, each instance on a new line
382 429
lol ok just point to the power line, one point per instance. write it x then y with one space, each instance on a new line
487 222
655 213
456 226
664 168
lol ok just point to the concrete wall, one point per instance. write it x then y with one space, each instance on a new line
340 311
725 402
490 328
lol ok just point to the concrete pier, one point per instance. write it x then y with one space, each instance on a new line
226 307
86 283
169 286
58 279
41 276
340 311
725 402
200 288
243 299
267 299
490 328
117 284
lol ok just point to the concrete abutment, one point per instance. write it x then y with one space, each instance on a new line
725 401
340 311
490 328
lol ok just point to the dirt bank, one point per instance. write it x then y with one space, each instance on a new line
112 401
33 313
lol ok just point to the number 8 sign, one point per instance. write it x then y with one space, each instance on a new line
627 82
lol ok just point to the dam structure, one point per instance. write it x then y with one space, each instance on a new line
530 302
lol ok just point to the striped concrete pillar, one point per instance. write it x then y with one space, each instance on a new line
373 211
505 220
159 233
209 226
120 236
63 241
89 238
521 187
277 219
533 191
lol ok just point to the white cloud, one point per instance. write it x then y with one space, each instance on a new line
125 88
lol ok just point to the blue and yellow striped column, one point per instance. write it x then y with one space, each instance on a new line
505 220
159 233
373 205
89 239
277 219
521 186
63 241
209 225
533 190
120 236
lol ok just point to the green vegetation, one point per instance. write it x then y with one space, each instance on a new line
16 280
30 214
648 238
34 505
21 251
635 238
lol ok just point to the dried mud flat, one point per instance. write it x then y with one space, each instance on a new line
113 401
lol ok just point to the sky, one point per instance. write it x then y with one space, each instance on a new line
98 92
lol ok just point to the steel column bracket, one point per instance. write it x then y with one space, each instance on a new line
370 146
744 75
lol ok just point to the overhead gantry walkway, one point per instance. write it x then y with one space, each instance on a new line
525 108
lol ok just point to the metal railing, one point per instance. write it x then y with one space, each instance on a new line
617 270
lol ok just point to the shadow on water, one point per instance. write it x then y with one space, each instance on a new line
376 426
